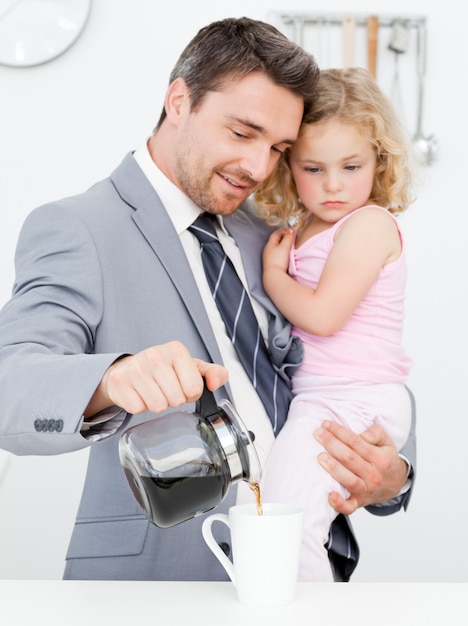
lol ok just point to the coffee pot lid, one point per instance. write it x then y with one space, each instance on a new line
236 440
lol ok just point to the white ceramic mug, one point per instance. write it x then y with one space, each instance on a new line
265 550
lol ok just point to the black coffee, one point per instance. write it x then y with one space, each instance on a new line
174 500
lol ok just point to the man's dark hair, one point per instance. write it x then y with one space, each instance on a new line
232 48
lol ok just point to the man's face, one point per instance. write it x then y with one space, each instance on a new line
232 142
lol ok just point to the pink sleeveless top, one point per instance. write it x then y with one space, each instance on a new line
368 347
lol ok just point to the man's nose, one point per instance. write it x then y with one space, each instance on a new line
258 164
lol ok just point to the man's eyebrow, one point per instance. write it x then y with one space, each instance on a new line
258 129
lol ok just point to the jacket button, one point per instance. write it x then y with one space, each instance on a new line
48 425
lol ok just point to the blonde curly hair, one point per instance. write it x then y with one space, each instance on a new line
352 96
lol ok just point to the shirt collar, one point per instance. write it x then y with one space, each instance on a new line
182 211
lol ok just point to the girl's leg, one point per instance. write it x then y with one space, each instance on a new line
293 475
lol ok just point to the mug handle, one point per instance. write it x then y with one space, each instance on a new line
213 544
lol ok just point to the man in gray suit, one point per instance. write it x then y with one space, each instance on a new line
111 320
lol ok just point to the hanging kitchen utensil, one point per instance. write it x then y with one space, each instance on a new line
324 47
372 24
399 44
399 41
426 148
348 30
299 31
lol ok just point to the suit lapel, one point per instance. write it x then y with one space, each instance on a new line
157 229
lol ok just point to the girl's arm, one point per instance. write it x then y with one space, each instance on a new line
363 245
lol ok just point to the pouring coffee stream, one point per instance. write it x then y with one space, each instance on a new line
256 489
181 464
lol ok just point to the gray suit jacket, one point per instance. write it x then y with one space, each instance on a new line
99 275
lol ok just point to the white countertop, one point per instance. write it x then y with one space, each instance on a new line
89 603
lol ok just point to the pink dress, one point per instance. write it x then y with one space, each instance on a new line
355 377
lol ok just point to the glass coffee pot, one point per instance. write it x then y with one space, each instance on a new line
182 464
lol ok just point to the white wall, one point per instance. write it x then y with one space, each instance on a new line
65 124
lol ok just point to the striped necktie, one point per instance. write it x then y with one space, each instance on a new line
241 324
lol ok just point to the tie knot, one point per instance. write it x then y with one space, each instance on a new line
204 228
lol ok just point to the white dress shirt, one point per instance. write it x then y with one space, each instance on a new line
183 212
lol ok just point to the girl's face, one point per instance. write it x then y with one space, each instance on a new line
333 166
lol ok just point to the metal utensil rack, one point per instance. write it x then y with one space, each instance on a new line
299 20
326 35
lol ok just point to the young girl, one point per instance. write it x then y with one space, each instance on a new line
340 279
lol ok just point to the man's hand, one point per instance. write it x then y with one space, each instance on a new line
367 465
155 379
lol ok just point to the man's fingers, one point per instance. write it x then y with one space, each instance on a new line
160 377
344 446
346 507
215 375
352 482
367 465
376 436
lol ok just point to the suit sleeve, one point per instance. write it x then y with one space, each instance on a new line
48 369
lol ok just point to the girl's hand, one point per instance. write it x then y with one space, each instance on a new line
276 251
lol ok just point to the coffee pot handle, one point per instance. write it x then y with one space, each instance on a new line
207 407
206 404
